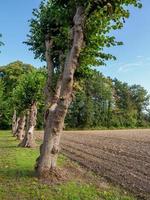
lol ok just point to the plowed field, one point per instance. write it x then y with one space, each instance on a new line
120 156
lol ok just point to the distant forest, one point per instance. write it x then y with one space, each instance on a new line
99 102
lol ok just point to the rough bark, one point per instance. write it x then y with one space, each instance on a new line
54 119
21 127
17 122
29 139
14 123
50 69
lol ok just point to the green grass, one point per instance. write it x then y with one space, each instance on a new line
17 180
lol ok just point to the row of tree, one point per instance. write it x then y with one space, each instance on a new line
99 102
71 37
20 93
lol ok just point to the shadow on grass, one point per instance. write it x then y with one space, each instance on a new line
7 140
3 135
7 147
16 173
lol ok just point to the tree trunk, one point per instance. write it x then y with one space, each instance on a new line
14 123
29 139
20 127
17 122
50 69
54 118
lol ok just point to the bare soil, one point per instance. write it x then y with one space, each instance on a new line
120 156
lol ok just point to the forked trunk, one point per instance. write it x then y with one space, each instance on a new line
29 139
55 115
21 127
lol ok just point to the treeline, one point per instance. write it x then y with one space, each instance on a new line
98 102
101 102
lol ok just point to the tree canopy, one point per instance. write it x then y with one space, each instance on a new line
12 72
29 89
99 102
9 76
53 20
102 102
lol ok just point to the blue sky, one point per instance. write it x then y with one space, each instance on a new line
133 58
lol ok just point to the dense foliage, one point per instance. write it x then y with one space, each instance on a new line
99 102
104 103
9 77
53 22
29 90
4 114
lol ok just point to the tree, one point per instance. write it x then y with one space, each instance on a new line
130 105
1 100
124 112
90 107
20 126
12 72
26 96
4 107
141 100
10 75
70 34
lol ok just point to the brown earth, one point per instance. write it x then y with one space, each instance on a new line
121 156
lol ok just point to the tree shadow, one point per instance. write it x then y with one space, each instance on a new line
12 170
7 147
16 173
7 140
7 136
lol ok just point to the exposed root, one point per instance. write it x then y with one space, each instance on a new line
55 176
27 145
